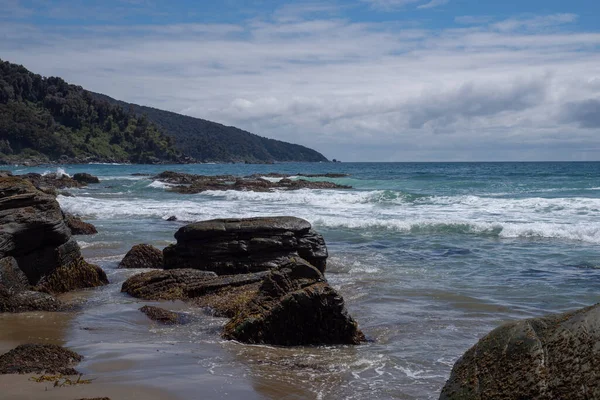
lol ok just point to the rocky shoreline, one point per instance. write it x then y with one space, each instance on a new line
267 276
192 184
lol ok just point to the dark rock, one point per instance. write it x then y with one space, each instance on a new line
140 174
552 357
34 233
164 316
172 218
97 398
11 276
4 173
182 284
191 184
294 306
233 246
86 178
79 227
51 182
142 256
39 358
72 276
328 175
27 300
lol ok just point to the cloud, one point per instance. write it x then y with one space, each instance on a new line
434 3
388 5
354 90
585 113
473 19
535 23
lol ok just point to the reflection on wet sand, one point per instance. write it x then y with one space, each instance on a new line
33 327
19 387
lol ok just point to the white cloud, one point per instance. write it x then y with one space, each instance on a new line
535 23
365 91
434 3
387 5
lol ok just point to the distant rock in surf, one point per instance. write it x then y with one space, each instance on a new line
79 227
234 246
551 357
142 256
191 184
84 177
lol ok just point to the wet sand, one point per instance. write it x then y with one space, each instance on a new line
33 327
19 387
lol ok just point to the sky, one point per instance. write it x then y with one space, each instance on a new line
358 80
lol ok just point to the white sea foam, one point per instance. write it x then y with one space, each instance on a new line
60 172
159 185
561 218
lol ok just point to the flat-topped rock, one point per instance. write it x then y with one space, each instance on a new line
238 246
276 225
552 357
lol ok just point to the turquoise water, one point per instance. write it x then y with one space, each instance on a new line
429 257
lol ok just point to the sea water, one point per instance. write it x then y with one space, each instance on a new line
428 256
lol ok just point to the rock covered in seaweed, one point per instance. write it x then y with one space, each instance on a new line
552 357
142 256
294 306
39 358
232 246
79 227
182 284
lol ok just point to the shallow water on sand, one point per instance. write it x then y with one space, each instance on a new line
429 257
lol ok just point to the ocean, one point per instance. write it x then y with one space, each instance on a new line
428 256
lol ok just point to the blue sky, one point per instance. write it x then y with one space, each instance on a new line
363 80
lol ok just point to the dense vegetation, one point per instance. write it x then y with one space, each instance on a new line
46 119
210 141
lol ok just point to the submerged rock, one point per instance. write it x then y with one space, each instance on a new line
142 256
294 306
39 358
234 246
79 227
163 316
552 357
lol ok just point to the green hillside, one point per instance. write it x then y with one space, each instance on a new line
47 119
211 141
